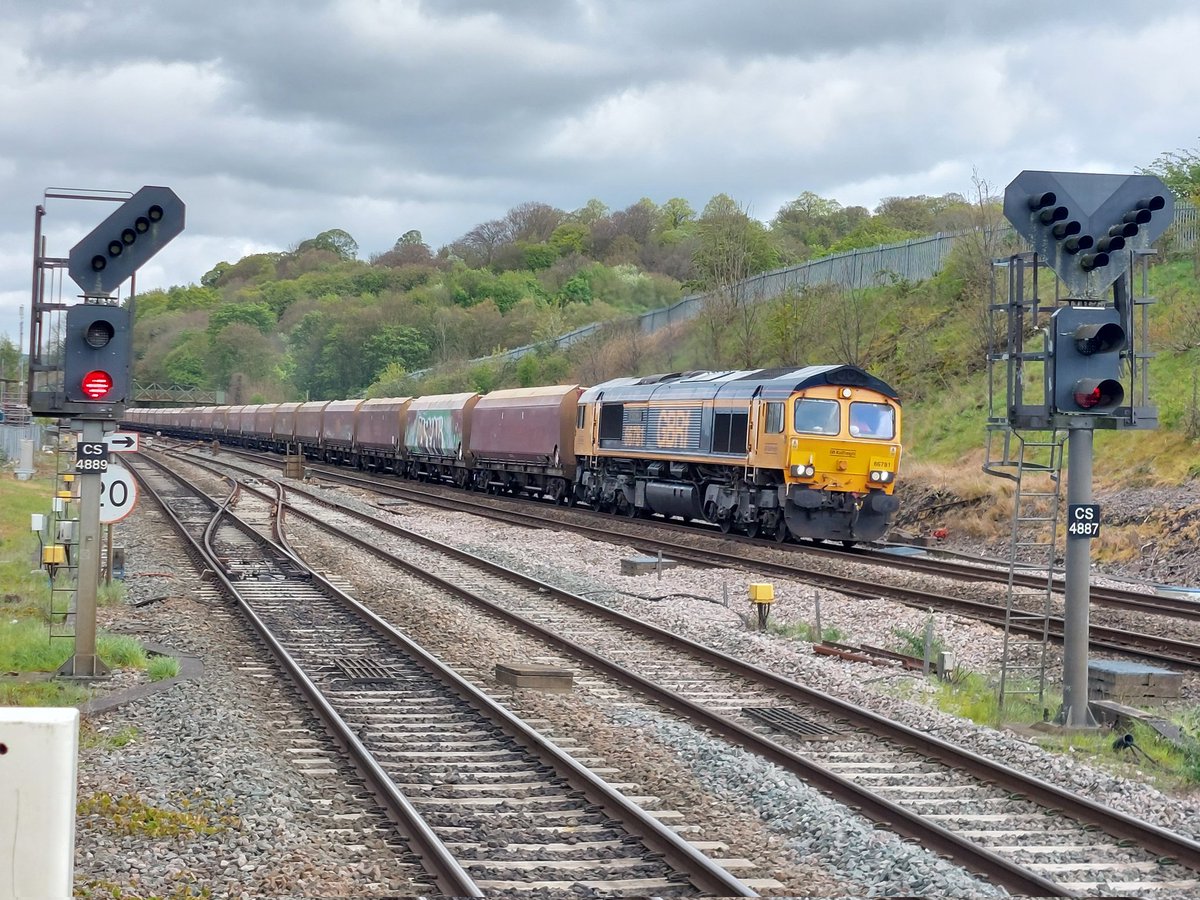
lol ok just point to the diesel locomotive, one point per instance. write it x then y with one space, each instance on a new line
810 452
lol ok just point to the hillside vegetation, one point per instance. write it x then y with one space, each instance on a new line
317 322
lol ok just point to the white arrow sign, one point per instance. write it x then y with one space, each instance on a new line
122 442
118 494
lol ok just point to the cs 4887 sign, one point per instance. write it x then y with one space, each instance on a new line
1083 520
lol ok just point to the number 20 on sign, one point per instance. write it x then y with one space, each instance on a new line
1083 520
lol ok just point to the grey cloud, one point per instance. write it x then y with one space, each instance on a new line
277 121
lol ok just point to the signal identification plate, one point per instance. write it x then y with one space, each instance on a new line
91 458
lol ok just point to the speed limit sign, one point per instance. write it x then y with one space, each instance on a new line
118 494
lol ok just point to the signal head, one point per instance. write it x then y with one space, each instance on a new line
1052 214
1066 229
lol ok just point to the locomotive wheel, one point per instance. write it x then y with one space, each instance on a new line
781 531
726 525
629 509
752 528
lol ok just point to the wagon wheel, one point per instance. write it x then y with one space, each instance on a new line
781 531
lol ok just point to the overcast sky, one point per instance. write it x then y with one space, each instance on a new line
276 121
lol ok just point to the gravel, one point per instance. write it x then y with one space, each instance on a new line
217 748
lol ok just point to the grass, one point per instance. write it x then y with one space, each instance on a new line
973 696
1170 765
161 667
970 695
92 736
911 641
129 814
804 631
25 644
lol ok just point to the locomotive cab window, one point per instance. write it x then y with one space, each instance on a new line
774 423
580 415
872 420
817 416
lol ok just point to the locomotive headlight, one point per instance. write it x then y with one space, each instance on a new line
803 471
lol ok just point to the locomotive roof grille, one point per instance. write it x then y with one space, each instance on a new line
768 383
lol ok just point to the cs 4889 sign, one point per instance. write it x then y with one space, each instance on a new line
91 458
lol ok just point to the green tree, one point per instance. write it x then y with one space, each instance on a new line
675 213
871 233
591 212
539 256
731 248
806 226
578 289
186 365
240 348
335 241
570 237
1180 171
393 381
395 345
256 315
10 362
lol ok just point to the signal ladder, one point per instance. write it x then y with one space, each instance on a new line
1035 468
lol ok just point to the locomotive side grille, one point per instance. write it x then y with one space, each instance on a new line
673 428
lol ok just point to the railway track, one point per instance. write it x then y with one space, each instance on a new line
484 801
1021 832
1172 652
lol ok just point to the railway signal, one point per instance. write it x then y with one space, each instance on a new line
1088 229
1087 345
126 240
1082 225
97 352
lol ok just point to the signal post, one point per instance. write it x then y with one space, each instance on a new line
90 383
1087 228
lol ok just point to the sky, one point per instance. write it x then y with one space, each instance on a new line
275 121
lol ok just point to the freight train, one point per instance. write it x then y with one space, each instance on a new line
808 452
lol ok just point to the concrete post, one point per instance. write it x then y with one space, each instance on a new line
38 752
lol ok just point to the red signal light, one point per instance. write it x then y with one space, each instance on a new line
96 384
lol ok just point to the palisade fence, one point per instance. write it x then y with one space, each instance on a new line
914 260
11 437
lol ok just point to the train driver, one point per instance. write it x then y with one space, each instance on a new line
817 416
872 420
